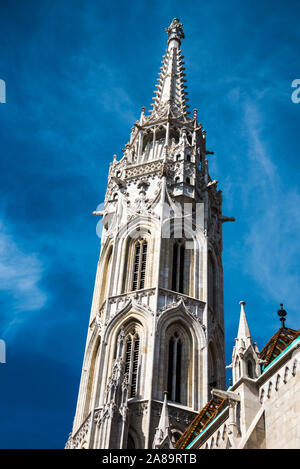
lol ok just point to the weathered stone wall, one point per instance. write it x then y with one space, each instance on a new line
281 399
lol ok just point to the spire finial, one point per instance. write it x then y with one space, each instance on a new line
282 313
175 31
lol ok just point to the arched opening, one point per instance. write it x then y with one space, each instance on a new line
180 261
106 276
174 368
178 266
147 138
91 380
139 266
174 134
130 343
160 140
135 264
189 136
250 372
161 134
179 364
132 349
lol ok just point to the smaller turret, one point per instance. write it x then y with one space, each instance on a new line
245 359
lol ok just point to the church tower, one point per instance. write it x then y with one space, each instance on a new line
155 342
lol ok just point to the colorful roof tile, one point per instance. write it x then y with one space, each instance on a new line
278 342
203 419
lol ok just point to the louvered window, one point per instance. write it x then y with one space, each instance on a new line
132 363
139 267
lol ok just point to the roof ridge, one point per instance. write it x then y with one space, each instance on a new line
268 351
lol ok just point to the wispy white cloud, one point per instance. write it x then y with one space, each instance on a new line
273 255
103 84
20 274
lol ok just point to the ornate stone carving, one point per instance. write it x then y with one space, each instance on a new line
184 417
81 433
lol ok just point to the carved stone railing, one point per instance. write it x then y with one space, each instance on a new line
177 413
144 297
141 169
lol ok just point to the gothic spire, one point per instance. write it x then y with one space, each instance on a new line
170 94
244 331
163 429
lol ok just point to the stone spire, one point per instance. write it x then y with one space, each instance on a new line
163 434
171 94
244 331
245 355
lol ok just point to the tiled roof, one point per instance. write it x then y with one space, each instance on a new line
203 419
278 342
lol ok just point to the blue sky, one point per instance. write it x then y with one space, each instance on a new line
77 74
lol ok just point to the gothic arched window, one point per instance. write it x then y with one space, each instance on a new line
174 368
139 266
250 369
90 386
132 351
106 276
178 267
